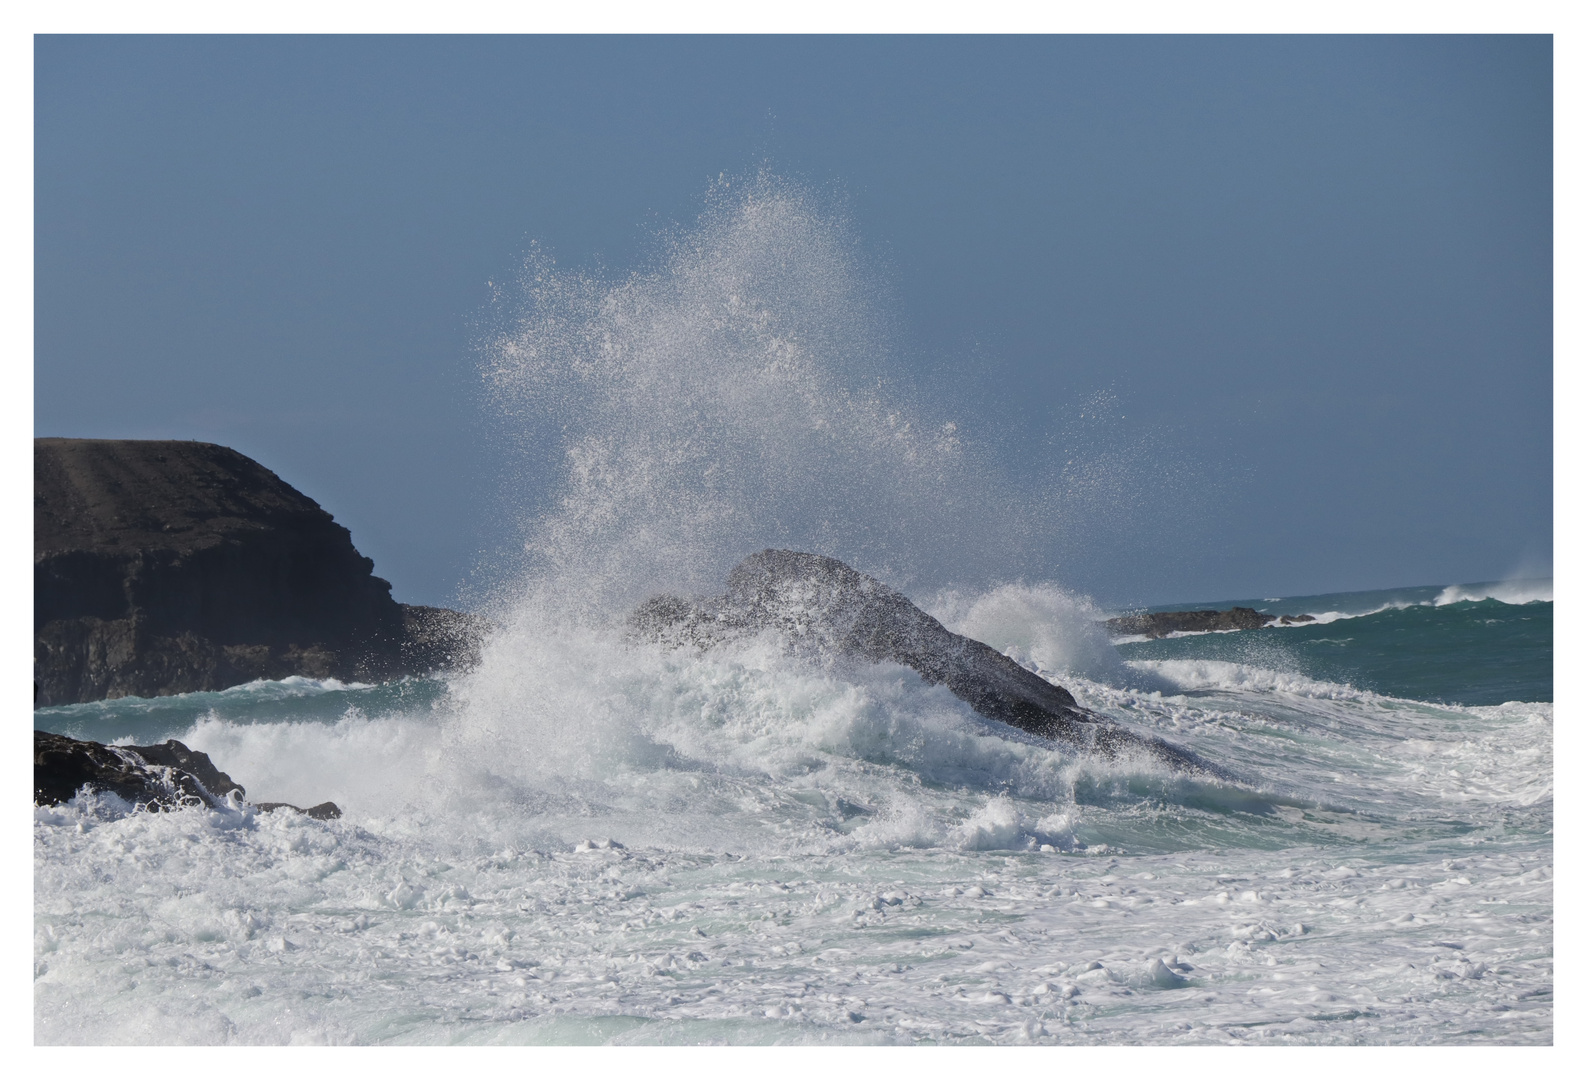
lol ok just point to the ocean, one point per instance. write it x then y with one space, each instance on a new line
725 848
589 839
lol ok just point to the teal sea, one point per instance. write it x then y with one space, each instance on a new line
1462 646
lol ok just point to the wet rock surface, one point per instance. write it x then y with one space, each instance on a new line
823 608
166 567
1159 624
162 777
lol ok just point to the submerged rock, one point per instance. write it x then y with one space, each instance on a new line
823 607
165 567
1159 624
164 777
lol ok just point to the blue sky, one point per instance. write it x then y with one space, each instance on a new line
1295 292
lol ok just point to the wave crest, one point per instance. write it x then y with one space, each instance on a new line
1519 591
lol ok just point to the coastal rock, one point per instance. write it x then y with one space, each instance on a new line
165 567
822 607
163 777
1159 624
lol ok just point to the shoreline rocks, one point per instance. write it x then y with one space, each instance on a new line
1159 624
163 777
822 607
165 567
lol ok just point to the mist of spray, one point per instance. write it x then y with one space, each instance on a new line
737 394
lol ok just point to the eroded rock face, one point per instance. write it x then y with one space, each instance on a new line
165 567
823 607
163 777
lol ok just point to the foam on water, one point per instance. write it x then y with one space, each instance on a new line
653 846
777 854
1513 591
590 839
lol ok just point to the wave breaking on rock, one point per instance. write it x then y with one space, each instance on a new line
822 607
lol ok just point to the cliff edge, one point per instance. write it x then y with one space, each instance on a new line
164 567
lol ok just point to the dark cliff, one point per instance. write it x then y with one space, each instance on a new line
163 567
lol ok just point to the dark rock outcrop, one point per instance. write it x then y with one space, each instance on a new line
164 567
822 607
1158 624
163 777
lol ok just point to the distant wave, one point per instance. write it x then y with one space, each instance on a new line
293 686
1520 591
1323 618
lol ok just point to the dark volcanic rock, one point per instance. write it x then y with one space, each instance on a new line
1157 624
163 567
162 777
822 607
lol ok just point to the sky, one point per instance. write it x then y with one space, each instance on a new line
1293 296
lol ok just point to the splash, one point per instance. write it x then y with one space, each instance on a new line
737 395
1514 591
740 393
1046 628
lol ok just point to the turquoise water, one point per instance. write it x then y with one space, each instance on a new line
144 721
1399 642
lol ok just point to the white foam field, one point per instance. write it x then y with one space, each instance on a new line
729 847
1200 674
275 929
1332 741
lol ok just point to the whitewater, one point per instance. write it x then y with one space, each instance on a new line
588 838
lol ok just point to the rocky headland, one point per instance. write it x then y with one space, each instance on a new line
1159 624
166 567
822 608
